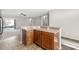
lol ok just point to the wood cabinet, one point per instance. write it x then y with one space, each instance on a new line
47 40
27 37
43 39
24 37
37 37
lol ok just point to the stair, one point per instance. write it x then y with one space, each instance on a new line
69 44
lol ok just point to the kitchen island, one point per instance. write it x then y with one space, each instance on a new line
46 37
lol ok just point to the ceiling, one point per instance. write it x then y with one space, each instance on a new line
27 12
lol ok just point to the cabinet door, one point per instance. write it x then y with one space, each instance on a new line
47 40
37 37
24 37
29 37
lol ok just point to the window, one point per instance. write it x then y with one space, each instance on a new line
9 23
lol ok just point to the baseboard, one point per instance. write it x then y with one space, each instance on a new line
70 45
76 40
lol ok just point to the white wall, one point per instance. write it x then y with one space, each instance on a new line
36 21
40 21
20 21
68 20
0 12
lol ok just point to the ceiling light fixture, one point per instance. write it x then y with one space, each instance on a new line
22 14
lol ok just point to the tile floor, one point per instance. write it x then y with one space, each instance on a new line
12 41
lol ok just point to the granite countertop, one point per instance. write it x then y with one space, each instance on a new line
39 28
49 30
